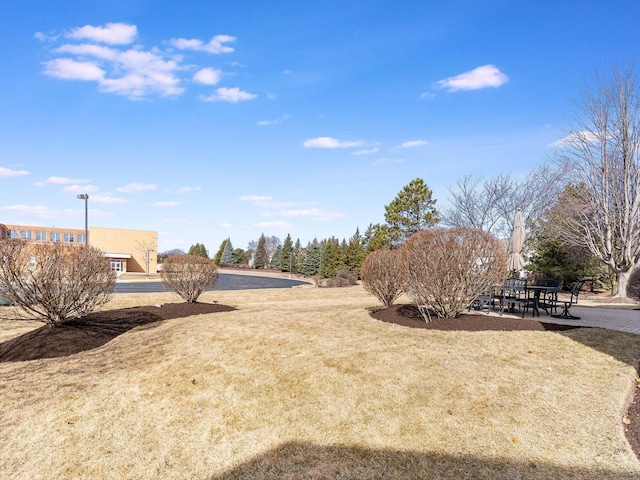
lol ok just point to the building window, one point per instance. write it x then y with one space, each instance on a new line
26 234
41 236
68 237
81 238
54 236
13 234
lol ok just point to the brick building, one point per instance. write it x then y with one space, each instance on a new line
127 250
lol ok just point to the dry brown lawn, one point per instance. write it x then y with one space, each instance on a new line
303 383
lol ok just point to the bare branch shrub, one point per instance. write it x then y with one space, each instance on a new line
53 282
381 275
189 275
342 279
445 269
633 285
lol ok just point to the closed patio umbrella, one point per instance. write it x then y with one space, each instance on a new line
516 262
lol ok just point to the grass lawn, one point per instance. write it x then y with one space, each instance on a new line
303 383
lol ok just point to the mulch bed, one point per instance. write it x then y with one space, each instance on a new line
98 328
94 330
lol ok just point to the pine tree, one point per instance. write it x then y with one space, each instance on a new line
412 210
286 262
354 253
276 258
218 256
261 259
228 256
241 256
298 257
198 249
311 265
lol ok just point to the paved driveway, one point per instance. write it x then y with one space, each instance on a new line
225 282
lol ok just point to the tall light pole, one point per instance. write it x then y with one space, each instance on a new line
85 197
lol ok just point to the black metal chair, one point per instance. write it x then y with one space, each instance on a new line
486 299
575 291
514 293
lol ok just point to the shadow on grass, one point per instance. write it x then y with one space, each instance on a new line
94 330
295 460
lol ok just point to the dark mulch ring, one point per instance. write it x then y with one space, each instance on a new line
94 330
409 316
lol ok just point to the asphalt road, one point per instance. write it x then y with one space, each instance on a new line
225 282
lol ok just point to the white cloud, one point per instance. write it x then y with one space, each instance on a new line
256 199
365 151
135 72
80 188
136 187
39 211
61 181
413 143
185 190
7 172
329 142
165 204
575 137
264 123
275 225
107 198
208 76
69 69
231 95
388 161
215 46
427 95
225 225
111 33
315 213
480 77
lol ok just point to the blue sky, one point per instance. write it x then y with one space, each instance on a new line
204 120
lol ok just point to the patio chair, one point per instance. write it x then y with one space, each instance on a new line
575 291
549 301
486 299
514 294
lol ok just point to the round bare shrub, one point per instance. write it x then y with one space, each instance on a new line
381 275
53 282
189 275
445 269
633 285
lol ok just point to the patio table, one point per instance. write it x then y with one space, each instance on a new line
534 292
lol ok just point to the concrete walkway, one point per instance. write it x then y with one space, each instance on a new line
623 319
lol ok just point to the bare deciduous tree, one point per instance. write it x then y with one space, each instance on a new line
445 269
54 282
382 276
602 154
491 205
189 275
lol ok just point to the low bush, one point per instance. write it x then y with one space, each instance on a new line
53 282
189 275
342 279
445 269
381 275
633 285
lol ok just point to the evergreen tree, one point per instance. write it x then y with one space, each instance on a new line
311 265
286 262
331 257
354 253
228 256
412 210
298 257
218 256
241 256
261 258
198 249
376 237
276 258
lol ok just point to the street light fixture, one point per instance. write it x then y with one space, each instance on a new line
85 197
